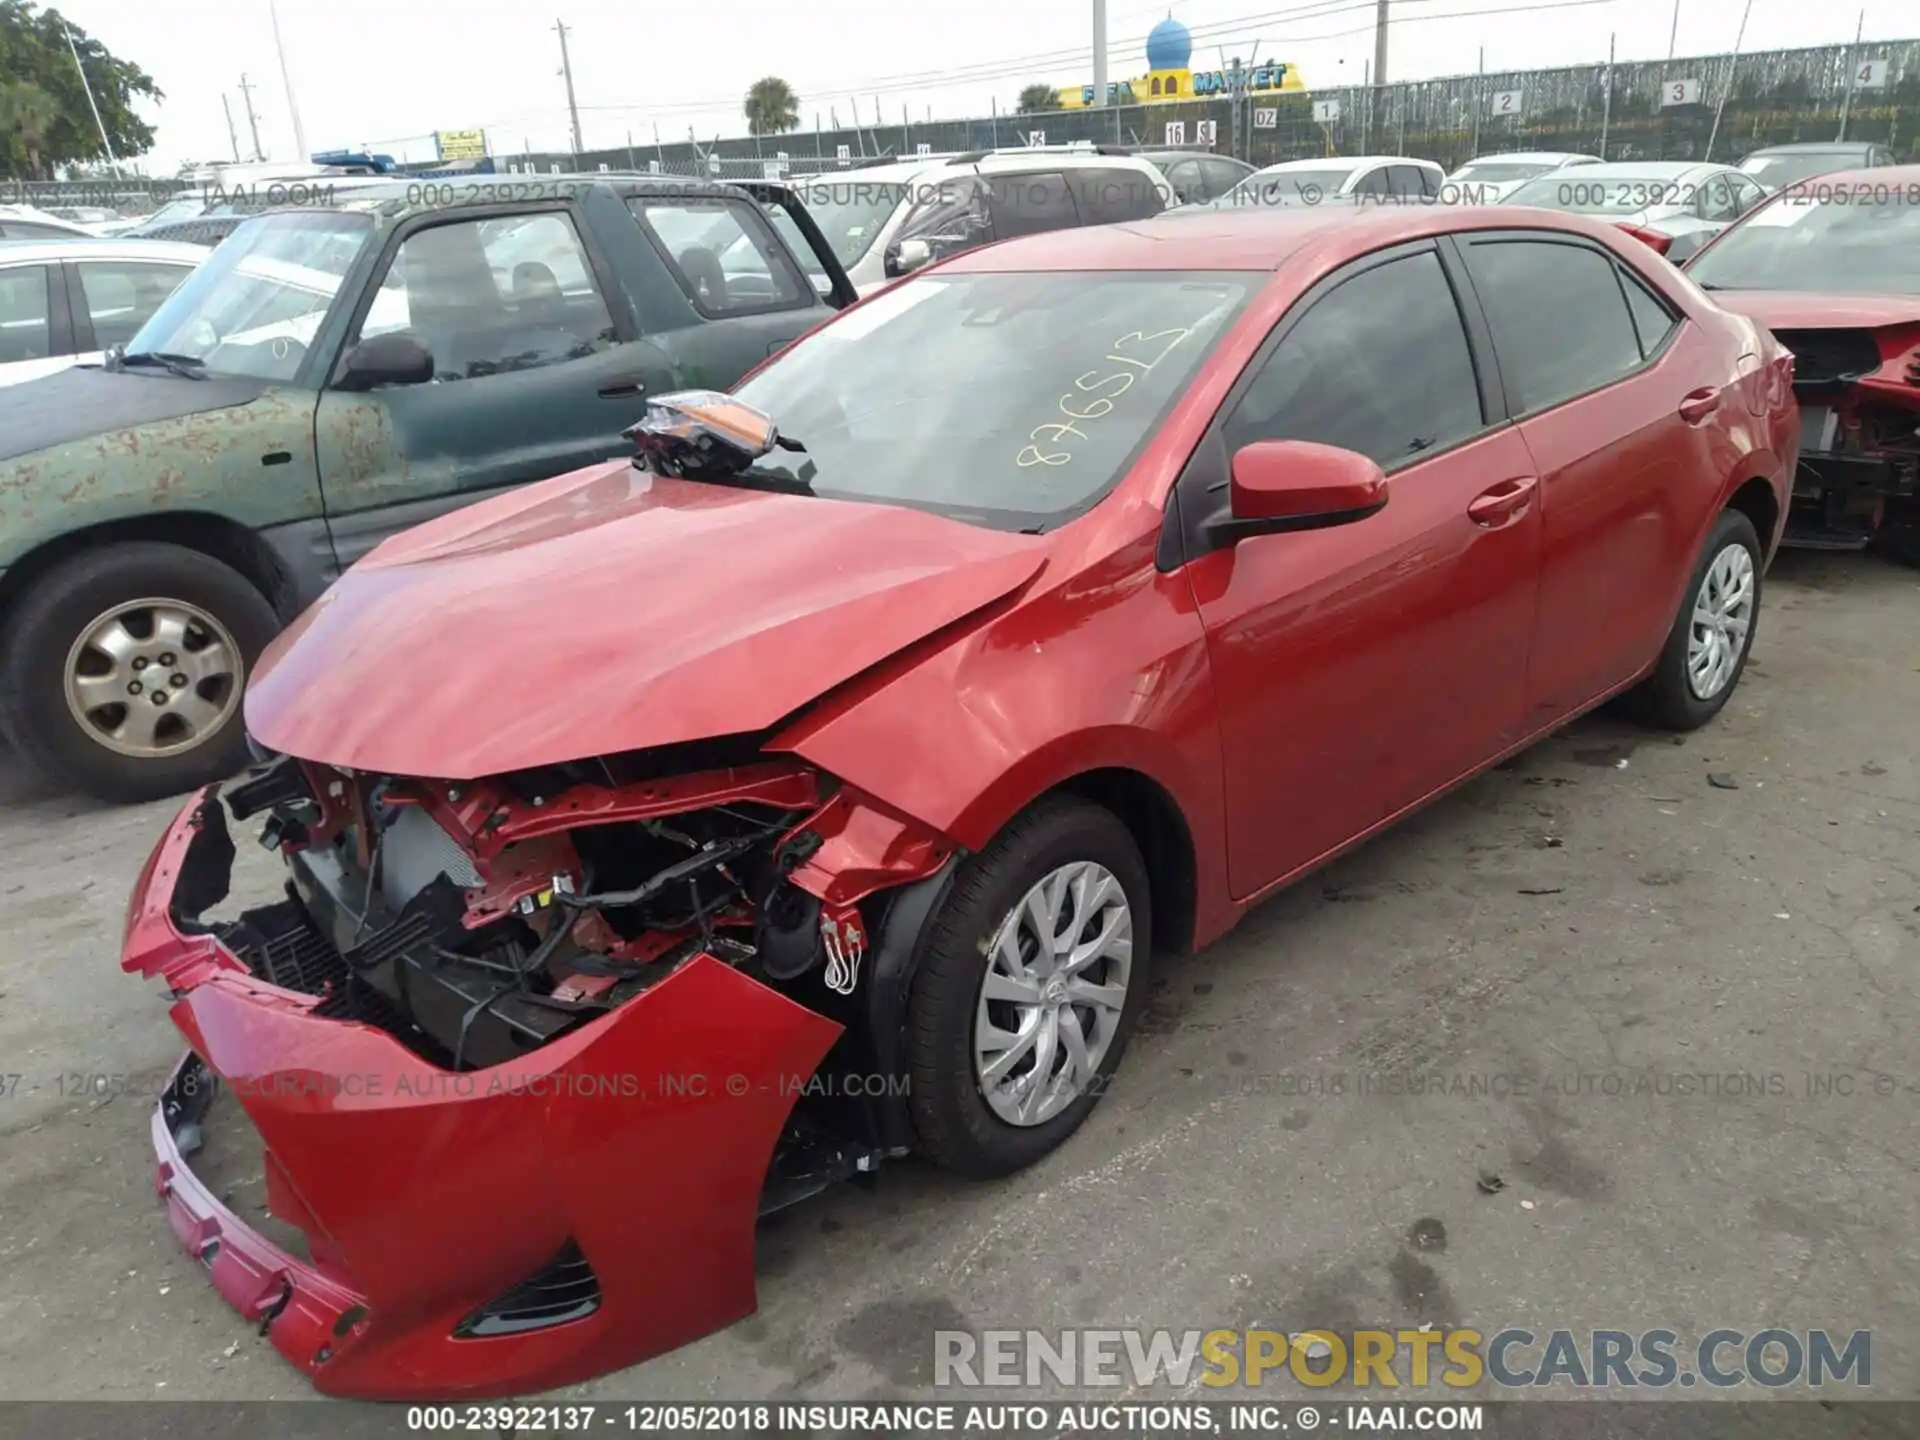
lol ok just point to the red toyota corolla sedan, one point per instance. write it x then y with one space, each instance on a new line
669 840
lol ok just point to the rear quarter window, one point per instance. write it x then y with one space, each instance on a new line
1560 322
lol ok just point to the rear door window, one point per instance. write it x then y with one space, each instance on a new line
1560 322
1374 184
26 330
724 253
1030 204
1110 194
1222 175
1651 317
1403 182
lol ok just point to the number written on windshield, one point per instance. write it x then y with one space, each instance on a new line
1093 394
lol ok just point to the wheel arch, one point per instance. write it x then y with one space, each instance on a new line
212 535
1159 828
1754 498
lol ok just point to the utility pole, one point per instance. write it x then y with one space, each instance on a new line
1846 101
1099 52
1380 43
1673 35
233 136
253 120
286 82
573 108
86 85
1606 99
1733 63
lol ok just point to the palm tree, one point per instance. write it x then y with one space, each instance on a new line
772 108
28 113
1037 99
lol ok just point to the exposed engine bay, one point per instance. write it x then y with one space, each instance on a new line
477 921
1859 468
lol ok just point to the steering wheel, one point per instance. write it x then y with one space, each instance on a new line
287 351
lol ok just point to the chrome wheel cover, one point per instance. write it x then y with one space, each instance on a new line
1050 1002
1722 621
153 677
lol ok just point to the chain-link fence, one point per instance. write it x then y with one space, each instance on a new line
1652 110
1641 110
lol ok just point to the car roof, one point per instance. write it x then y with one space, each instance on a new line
1528 155
1817 147
1157 156
1650 169
405 194
36 252
1253 238
1887 178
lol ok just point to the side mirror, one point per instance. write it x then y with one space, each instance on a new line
393 359
907 256
1301 485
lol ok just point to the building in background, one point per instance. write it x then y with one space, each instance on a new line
1170 75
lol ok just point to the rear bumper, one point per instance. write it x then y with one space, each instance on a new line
634 1149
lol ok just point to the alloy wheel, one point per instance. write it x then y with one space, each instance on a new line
1722 619
153 677
1051 1000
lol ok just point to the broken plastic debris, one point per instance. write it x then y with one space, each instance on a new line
1490 1183
1526 1204
1619 764
231 1350
1720 780
1782 915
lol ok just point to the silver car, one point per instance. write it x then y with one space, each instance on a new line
1687 204
1487 178
64 302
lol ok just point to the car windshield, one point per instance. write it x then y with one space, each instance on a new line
1609 195
851 212
1779 170
1046 386
1844 243
1290 186
257 302
1499 172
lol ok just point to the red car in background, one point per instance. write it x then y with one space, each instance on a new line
669 840
1831 266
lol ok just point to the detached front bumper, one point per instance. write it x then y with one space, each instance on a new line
473 1233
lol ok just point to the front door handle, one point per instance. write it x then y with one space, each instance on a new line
618 389
1503 503
1699 404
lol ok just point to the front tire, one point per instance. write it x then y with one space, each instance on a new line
1034 971
124 669
1706 651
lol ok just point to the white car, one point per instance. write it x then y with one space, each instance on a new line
1489 178
1675 206
64 302
23 222
885 221
1358 178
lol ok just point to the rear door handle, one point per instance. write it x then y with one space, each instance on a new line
1699 404
1499 504
618 388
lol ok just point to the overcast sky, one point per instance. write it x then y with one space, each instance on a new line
388 73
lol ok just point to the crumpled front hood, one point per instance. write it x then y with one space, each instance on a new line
1800 310
612 610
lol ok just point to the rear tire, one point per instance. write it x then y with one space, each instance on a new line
1093 886
68 702
1693 661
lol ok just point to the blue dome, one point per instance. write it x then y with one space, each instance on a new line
1169 46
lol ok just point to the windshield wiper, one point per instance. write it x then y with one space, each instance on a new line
191 367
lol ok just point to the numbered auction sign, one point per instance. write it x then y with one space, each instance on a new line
1508 102
1679 92
1266 118
1325 110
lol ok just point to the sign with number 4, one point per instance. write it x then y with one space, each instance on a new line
1870 75
1508 102
1679 92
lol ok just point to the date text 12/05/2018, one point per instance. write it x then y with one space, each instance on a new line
1138 1417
